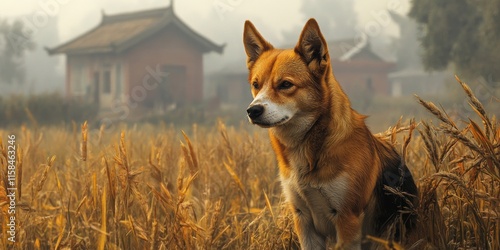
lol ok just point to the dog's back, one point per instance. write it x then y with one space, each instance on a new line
395 197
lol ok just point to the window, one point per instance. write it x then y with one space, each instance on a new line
106 88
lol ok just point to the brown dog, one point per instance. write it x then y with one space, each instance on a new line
332 169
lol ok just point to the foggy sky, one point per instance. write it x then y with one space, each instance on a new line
78 16
221 25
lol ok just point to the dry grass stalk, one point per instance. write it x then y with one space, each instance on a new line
112 201
229 167
84 141
430 145
407 140
476 105
431 107
468 185
387 244
19 172
39 185
191 155
214 225
103 237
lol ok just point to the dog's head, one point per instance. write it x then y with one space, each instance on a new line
287 85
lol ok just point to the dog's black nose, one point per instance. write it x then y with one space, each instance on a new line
255 111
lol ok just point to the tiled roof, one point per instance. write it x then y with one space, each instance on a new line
348 49
117 33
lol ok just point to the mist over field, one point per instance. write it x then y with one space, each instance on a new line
390 39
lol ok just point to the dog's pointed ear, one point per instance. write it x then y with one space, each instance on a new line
312 47
254 43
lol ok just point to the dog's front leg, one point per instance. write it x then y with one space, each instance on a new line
348 228
309 238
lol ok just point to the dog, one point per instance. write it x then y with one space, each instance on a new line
334 172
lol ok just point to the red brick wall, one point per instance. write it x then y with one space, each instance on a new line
353 76
168 47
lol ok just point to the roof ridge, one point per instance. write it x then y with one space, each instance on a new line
151 21
135 15
356 49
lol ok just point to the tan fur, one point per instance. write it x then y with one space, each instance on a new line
328 159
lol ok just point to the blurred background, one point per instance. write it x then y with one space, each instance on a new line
183 62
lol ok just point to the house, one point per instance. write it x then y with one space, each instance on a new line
146 59
360 71
357 68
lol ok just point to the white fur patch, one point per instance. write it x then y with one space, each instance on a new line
335 191
274 114
320 201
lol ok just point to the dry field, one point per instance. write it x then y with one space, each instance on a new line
154 187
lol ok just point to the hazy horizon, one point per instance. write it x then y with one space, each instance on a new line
57 21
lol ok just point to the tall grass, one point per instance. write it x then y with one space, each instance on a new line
460 183
156 187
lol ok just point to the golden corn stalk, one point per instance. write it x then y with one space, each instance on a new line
217 188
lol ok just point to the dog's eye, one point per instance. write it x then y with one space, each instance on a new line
255 85
285 85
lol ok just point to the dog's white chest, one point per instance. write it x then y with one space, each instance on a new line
331 193
318 201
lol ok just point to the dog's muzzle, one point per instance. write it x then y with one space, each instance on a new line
255 111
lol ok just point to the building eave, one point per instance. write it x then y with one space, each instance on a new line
168 17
